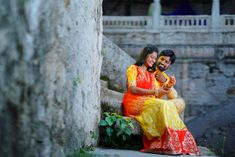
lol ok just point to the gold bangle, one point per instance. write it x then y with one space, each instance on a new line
156 93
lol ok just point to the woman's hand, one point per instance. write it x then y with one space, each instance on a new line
161 91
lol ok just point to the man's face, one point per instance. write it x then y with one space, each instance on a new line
163 63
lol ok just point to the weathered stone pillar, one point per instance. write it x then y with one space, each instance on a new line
215 13
156 14
49 76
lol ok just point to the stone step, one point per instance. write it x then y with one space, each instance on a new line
105 152
104 83
111 100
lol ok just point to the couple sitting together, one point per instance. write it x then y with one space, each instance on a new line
152 100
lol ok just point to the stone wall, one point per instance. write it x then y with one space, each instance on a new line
205 85
49 76
216 130
114 65
184 43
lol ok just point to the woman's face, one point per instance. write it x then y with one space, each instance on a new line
150 59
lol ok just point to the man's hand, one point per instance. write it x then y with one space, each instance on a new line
162 91
172 81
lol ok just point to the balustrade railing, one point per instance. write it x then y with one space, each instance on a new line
185 22
228 21
127 22
192 23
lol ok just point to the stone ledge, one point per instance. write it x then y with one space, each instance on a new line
104 83
107 152
111 100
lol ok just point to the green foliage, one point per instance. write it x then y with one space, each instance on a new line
93 135
87 150
76 81
104 78
115 130
82 152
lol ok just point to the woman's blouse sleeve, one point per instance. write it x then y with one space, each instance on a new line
131 75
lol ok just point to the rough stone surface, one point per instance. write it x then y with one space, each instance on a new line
114 65
104 152
49 76
111 100
188 44
204 85
216 130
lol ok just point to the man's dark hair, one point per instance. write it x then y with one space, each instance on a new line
168 53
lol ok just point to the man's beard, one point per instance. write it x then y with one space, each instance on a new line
161 67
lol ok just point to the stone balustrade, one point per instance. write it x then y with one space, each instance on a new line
228 21
127 22
168 23
192 23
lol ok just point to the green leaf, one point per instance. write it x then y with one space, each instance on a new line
128 120
123 121
131 125
113 118
117 115
127 131
109 131
93 135
119 133
106 114
109 120
123 125
118 122
103 123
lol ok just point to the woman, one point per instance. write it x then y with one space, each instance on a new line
163 130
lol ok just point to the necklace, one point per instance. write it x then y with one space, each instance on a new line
144 74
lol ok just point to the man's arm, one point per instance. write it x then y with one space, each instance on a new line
172 94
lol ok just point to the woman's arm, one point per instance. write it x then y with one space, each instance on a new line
141 91
156 92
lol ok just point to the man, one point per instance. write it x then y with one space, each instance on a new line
167 58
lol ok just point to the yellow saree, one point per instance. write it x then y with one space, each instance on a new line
163 130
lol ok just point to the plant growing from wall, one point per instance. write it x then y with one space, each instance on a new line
115 130
86 150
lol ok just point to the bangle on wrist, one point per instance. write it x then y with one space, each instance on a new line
156 93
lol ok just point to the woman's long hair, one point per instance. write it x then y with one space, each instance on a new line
147 50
